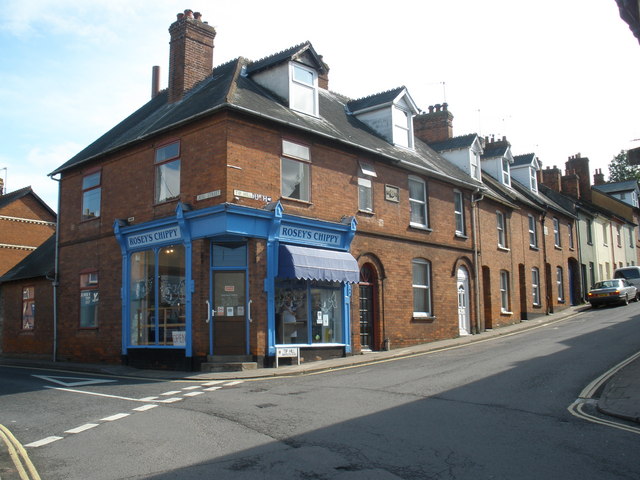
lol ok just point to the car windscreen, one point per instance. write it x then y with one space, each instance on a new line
630 273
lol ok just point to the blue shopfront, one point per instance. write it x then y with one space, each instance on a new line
234 280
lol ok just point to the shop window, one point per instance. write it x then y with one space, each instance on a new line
418 202
89 298
28 308
167 163
308 312
295 171
421 285
157 296
91 196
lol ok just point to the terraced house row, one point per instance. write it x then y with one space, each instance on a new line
248 212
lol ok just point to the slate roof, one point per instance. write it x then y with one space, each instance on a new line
542 200
625 186
455 143
526 159
495 150
284 56
382 98
39 263
9 198
227 88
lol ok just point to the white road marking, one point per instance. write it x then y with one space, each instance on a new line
72 381
82 428
144 408
117 416
212 389
44 441
214 382
192 388
171 400
173 392
148 399
235 382
193 394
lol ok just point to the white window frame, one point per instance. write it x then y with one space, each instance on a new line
560 284
501 226
475 165
589 228
418 203
297 85
295 154
557 240
167 172
619 235
535 286
533 232
533 179
458 212
571 237
504 292
605 237
402 127
365 195
506 172
422 289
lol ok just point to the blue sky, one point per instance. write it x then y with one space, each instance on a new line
556 77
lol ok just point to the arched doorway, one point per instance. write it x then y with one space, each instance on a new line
464 317
368 312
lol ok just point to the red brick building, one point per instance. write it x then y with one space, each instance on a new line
249 210
26 221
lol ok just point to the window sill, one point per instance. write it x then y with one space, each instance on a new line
534 247
368 213
167 201
505 312
557 247
461 235
298 201
423 317
504 249
420 227
88 220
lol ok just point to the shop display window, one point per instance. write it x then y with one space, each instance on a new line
308 312
157 297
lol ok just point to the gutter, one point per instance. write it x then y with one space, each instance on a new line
476 274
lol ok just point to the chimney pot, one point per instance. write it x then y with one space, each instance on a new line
188 13
180 16
197 15
430 108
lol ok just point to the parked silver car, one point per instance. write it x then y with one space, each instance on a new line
616 290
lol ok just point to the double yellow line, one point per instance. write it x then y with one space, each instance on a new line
18 455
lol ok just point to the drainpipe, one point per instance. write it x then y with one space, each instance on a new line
476 270
55 282
386 343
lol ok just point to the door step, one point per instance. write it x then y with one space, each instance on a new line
228 363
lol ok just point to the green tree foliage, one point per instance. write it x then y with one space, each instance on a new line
620 169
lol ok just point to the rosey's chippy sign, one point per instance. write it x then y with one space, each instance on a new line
156 236
309 235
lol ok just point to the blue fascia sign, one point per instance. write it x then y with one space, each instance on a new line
289 233
154 237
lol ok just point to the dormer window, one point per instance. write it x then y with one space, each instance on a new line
475 165
506 173
533 179
303 87
402 128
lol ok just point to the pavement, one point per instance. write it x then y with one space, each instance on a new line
619 391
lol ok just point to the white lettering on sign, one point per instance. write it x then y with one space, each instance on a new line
204 196
151 238
297 233
252 196
286 352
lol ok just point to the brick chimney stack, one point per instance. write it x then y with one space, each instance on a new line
598 177
580 166
551 178
190 53
435 126
570 184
